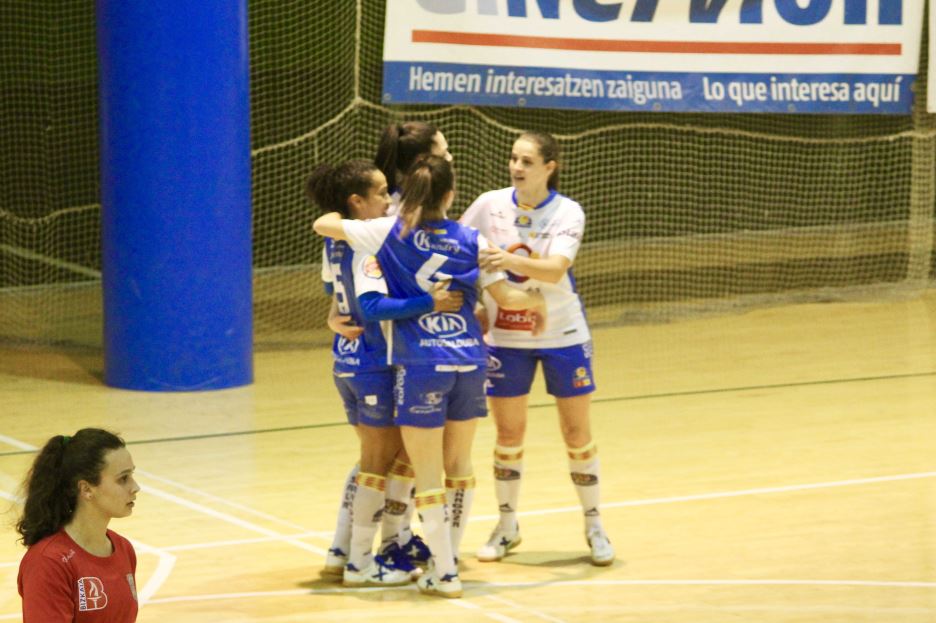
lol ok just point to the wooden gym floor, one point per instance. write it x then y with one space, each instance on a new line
778 465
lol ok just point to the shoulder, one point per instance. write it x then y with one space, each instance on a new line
122 546
50 555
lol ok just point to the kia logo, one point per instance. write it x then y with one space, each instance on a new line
443 324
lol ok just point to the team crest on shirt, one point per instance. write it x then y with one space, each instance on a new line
523 221
348 347
91 595
372 268
582 379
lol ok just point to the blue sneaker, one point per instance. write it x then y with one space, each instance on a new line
377 573
394 557
417 551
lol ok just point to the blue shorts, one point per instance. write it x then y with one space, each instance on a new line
568 370
367 397
427 398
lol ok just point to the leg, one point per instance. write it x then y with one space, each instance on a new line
460 480
585 471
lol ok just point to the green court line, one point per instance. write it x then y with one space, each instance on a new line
700 392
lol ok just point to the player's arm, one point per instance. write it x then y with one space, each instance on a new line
507 297
330 225
376 306
341 324
547 269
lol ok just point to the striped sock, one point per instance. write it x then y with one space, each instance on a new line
398 508
368 508
431 508
584 470
459 495
342 539
508 471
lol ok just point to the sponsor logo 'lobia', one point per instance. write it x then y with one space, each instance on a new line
443 324
514 320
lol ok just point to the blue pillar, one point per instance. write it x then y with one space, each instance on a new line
175 193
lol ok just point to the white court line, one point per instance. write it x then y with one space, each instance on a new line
548 584
11 496
163 569
16 443
467 605
200 508
235 542
524 609
221 500
722 494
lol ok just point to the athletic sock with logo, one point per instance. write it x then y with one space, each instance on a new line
584 470
368 508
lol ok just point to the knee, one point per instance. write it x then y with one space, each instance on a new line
576 436
458 467
511 433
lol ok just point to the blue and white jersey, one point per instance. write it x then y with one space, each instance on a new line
351 275
434 251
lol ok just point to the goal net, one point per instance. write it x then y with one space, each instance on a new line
688 214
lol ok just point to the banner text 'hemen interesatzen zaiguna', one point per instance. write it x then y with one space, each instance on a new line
811 56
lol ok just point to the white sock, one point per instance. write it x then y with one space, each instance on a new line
585 470
342 539
459 495
368 508
431 507
508 471
398 508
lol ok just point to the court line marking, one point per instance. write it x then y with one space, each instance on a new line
721 494
495 616
220 500
525 609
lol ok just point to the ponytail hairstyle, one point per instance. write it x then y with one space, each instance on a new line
400 145
52 483
330 187
549 150
424 190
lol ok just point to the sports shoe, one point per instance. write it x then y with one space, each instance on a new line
417 551
394 556
447 586
602 553
335 562
499 543
377 573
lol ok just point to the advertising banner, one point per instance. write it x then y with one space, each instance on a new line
799 56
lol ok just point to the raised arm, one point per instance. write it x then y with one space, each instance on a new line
330 225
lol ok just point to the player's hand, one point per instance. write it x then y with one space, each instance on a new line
343 327
445 300
494 258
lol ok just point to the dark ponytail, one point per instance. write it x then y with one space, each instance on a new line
330 187
52 483
549 150
400 145
424 190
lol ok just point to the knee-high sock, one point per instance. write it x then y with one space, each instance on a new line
342 539
431 508
459 495
398 508
508 470
366 514
585 471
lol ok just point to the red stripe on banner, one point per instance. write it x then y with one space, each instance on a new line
666 47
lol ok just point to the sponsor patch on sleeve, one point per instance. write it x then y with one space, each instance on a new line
372 268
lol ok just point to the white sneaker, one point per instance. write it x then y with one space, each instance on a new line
335 562
447 586
377 573
602 553
499 543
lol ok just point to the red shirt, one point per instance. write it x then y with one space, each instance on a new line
62 583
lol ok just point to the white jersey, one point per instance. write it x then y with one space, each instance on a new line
554 227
